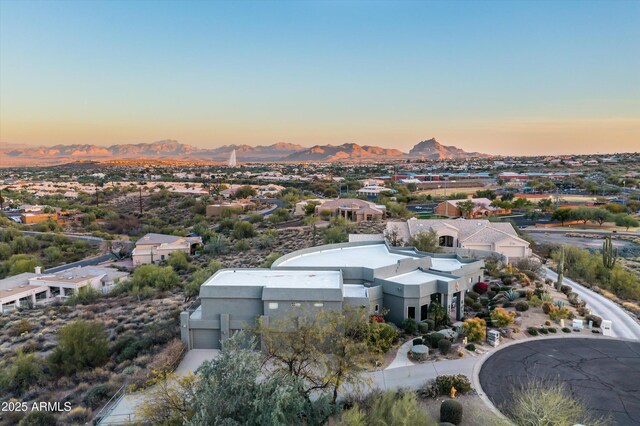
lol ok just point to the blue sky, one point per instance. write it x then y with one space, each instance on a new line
489 76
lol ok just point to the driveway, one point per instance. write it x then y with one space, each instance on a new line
602 372
622 324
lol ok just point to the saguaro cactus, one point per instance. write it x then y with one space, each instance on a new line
609 253
560 269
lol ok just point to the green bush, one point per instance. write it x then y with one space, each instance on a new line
81 345
423 328
532 331
434 338
543 330
445 346
566 330
38 418
471 347
552 330
451 412
522 306
473 295
382 337
417 341
458 381
97 395
84 296
431 323
409 326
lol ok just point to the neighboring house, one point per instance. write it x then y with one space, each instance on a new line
482 208
31 218
352 209
154 248
368 274
373 191
38 288
472 234
215 210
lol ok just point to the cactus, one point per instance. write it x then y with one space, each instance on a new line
560 269
558 304
511 295
609 254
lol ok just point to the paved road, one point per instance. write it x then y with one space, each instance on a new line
577 230
623 325
602 372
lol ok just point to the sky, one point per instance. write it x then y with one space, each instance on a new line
502 77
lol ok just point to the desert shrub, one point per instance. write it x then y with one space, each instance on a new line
81 345
243 229
266 240
502 318
473 295
38 418
535 301
552 330
78 415
382 337
444 346
596 320
491 294
417 341
471 347
458 381
477 306
556 314
566 289
475 329
179 261
409 325
566 330
241 245
423 327
539 403
543 330
532 331
22 326
507 304
522 306
481 287
451 412
469 301
84 296
434 338
98 394
335 234
153 276
24 371
431 323
546 307
583 311
270 259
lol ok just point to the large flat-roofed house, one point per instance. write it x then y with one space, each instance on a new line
37 288
482 208
154 248
472 234
353 209
367 274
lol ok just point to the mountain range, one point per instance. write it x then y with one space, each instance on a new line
25 155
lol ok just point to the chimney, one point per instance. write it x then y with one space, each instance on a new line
38 270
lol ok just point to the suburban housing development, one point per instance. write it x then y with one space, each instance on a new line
373 275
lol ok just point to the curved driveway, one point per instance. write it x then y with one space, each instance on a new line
604 373
623 325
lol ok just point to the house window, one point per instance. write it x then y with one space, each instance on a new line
445 241
411 312
273 305
376 308
162 257
318 305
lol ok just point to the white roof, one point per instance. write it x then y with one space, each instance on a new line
354 290
276 278
417 277
370 256
445 265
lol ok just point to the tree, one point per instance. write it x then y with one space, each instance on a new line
81 345
393 237
322 349
245 192
467 207
540 404
19 263
243 229
582 214
179 261
601 216
545 204
388 408
192 289
169 399
486 193
156 277
335 234
562 215
624 220
426 241
232 390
